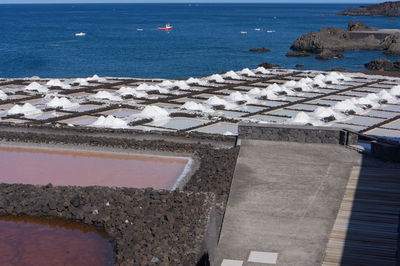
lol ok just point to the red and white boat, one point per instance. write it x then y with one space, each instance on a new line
167 27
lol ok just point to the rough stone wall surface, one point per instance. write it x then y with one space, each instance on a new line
146 226
302 134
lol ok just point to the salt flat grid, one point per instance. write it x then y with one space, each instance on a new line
382 121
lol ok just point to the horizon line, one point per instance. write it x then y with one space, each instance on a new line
189 2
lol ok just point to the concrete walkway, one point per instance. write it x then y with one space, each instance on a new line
283 202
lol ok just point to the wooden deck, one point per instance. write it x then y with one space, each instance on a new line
366 228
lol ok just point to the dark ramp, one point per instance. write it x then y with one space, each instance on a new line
366 228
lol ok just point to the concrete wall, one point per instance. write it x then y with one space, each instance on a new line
294 133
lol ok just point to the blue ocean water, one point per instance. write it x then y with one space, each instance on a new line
40 39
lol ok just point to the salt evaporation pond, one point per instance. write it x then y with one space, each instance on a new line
40 166
34 241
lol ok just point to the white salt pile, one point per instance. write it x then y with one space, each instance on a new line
217 78
257 92
96 78
262 70
3 95
63 102
109 122
146 87
125 91
105 95
154 112
58 83
27 109
81 82
231 74
193 106
238 97
247 72
200 82
216 101
34 86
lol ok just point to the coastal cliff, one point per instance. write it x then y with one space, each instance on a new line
388 9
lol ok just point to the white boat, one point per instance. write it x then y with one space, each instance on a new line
243 32
139 29
80 34
257 29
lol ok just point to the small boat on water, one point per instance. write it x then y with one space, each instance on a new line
167 27
80 34
243 32
139 29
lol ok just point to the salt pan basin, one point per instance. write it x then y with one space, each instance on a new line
67 167
42 241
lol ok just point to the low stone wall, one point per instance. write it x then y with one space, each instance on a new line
146 227
294 133
168 227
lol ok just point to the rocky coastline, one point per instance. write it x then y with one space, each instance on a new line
387 9
356 37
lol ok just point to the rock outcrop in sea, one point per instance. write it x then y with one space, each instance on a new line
383 64
260 50
329 42
387 9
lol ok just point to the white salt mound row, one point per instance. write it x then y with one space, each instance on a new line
105 95
247 72
81 82
34 86
193 106
257 92
262 70
63 102
109 122
58 83
231 74
146 87
238 97
197 81
27 109
3 95
217 78
96 78
124 91
170 84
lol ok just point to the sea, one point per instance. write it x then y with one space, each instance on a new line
122 39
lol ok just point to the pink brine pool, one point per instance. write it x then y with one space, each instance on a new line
41 166
48 242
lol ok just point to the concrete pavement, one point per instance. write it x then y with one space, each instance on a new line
283 202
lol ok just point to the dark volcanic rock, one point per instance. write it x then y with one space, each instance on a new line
298 54
299 66
394 49
359 26
329 54
260 50
380 64
387 9
396 64
338 39
268 65
339 69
